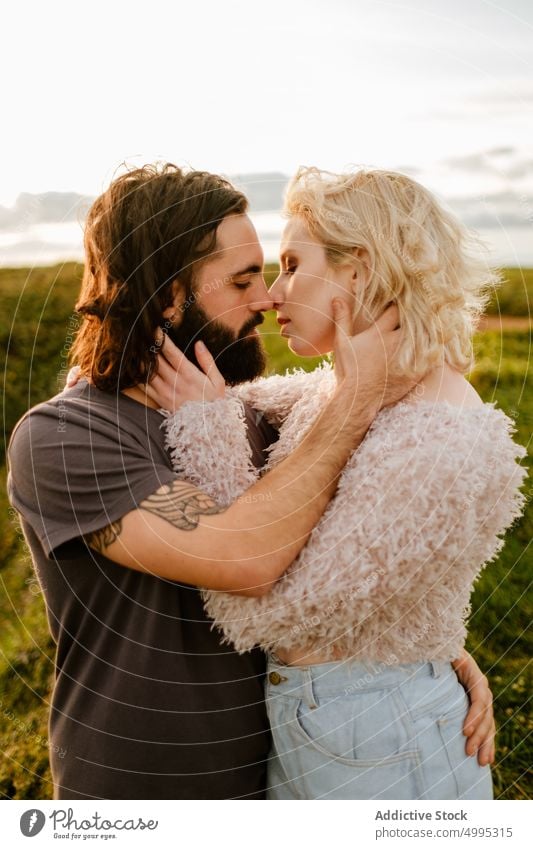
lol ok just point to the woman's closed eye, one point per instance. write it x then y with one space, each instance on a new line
290 269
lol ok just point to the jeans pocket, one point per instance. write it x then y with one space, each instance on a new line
322 767
327 728
369 727
315 748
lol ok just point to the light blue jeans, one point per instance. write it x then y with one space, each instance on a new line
348 730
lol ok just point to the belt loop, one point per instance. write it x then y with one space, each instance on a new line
308 694
436 668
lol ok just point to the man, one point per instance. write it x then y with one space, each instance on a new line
147 703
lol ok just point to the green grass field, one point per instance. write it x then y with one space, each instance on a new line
36 327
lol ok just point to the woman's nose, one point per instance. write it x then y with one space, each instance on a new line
276 290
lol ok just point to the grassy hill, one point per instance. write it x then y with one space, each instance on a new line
36 327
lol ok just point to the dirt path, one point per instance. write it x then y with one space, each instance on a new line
505 322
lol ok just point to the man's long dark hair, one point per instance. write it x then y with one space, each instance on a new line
153 226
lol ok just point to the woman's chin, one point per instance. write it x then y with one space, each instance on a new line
302 348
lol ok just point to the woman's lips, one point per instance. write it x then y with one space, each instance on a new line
283 322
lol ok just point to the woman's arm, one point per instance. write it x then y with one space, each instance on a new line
275 396
209 446
205 424
205 428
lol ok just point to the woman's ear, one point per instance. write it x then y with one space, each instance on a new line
361 269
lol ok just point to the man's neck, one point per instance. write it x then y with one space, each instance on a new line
136 393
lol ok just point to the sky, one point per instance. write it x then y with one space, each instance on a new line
443 91
246 86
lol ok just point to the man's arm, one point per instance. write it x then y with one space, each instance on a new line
179 533
479 726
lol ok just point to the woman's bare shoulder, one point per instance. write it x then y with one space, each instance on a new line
446 385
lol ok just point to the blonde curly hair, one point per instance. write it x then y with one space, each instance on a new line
419 256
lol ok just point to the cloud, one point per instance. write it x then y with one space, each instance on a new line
486 160
46 208
508 163
504 100
497 210
488 190
264 191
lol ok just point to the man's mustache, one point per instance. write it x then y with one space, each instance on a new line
255 321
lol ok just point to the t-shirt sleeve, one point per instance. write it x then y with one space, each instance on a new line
69 476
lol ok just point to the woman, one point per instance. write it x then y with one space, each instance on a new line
362 697
363 628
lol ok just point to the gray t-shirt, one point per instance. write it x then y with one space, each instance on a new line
147 703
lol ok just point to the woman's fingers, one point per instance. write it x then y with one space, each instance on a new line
165 396
147 389
208 365
486 753
166 371
177 380
482 741
174 356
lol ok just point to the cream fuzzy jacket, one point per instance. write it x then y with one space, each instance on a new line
387 572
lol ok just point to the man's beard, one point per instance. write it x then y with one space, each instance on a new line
238 358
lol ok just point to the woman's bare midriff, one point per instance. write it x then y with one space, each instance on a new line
295 657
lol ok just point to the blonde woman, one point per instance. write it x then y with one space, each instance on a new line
362 629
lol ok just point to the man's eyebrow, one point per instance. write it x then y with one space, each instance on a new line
251 269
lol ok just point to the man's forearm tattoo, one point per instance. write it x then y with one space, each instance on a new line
181 504
105 537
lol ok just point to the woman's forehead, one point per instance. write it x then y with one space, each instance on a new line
296 236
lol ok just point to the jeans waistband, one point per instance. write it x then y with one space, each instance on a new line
330 679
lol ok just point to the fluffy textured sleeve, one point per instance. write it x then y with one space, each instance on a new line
275 396
421 506
208 442
209 447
